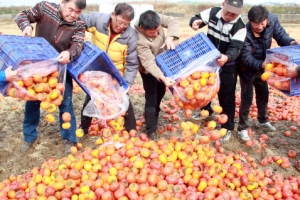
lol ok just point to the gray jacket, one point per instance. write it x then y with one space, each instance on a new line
121 50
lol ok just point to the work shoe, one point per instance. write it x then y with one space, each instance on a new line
243 135
266 125
25 146
227 136
81 139
68 144
152 136
198 117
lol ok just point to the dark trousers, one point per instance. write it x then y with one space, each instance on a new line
129 118
226 94
262 98
154 92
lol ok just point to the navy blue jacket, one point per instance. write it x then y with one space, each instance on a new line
255 48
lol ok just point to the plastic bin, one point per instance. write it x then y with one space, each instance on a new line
94 59
287 54
16 49
172 62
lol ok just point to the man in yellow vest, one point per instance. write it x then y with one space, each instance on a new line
113 34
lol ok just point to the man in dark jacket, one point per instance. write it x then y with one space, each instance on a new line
227 32
261 28
61 26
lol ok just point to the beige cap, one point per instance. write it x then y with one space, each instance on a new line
233 6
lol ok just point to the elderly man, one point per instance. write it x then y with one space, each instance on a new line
113 34
61 26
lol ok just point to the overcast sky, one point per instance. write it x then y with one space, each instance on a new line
4 3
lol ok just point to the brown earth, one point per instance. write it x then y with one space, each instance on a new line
49 143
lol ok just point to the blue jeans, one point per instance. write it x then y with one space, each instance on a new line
32 116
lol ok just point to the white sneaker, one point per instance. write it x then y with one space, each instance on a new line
226 137
266 125
243 135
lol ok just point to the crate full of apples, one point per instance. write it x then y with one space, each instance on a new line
279 59
43 81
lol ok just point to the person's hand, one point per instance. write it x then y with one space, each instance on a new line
167 81
263 65
64 57
294 42
127 90
27 31
169 43
291 71
221 61
10 74
196 24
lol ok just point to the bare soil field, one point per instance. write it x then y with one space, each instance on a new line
49 143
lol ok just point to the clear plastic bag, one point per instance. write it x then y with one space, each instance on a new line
198 85
279 82
276 73
108 98
44 81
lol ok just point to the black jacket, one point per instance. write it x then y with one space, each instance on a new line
255 48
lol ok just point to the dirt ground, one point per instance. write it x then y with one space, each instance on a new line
49 143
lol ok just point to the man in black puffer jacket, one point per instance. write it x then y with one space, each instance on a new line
261 28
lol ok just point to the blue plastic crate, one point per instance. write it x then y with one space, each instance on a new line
16 49
94 59
172 62
289 54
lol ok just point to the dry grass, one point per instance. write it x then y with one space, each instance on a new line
42 146
36 155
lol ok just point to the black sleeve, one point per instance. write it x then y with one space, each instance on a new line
194 18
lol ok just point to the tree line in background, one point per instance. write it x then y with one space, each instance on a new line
179 8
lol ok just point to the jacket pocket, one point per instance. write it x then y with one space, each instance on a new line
59 37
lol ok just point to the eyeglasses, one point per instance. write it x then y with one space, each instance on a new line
121 23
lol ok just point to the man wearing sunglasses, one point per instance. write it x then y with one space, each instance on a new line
113 34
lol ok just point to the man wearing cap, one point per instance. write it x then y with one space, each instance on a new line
227 32
261 28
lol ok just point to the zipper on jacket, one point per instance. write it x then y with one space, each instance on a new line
57 40
114 39
109 34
